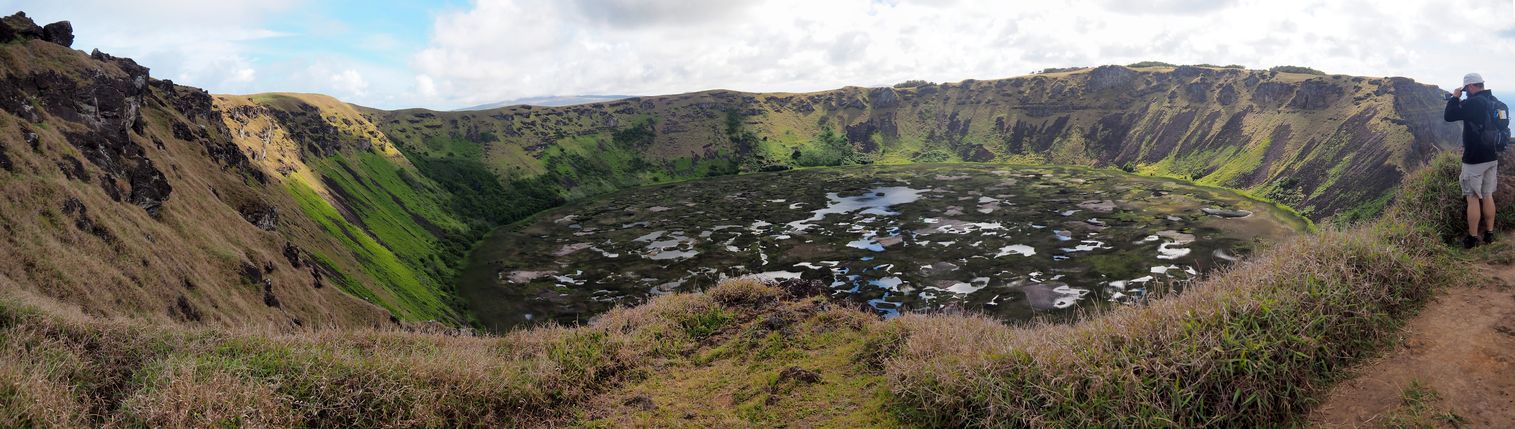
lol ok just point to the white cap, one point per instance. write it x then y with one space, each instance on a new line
1472 78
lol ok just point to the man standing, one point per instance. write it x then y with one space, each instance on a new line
1479 158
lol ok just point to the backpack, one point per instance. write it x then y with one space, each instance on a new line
1498 136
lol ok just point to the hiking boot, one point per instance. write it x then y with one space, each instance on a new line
1488 237
1469 241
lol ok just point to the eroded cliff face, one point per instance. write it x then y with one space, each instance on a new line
126 195
1290 137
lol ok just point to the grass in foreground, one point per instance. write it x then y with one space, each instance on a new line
1254 345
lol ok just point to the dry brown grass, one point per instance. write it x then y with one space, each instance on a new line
744 291
60 370
1253 345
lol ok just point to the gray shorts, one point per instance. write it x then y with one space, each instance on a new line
1479 179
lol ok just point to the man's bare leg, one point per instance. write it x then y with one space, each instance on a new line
1475 210
1488 213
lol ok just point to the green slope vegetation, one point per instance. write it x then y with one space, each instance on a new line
402 228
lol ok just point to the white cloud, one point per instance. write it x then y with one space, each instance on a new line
193 42
349 82
426 86
501 49
494 50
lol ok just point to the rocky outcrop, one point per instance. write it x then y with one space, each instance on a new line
1272 94
1111 77
61 32
884 98
21 27
108 104
261 215
1315 94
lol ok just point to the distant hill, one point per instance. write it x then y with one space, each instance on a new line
548 101
1278 134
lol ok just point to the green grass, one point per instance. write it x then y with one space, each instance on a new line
413 298
393 209
1419 409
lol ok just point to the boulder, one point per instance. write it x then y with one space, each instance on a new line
261 215
19 27
150 189
61 32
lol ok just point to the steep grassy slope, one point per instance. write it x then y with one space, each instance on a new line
1285 136
129 196
359 189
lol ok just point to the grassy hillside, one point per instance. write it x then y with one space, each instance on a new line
361 191
133 197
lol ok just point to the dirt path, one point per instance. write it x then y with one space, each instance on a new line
1461 347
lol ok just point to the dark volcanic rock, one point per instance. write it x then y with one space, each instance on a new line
292 253
72 168
1315 94
108 105
149 188
268 295
76 209
1197 92
19 27
884 98
61 32
261 215
1227 95
32 139
1108 77
1271 94
1420 106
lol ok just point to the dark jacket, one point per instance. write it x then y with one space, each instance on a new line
1474 114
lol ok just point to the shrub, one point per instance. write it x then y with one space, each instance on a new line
1296 69
748 292
913 83
1060 69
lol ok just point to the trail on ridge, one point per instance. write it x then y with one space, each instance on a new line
1461 346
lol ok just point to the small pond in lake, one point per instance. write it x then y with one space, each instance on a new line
1012 242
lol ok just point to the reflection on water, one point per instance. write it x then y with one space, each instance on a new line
1008 242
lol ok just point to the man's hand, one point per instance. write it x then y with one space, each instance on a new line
1457 93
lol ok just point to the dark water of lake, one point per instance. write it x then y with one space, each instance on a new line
1009 241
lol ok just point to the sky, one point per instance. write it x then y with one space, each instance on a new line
455 53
